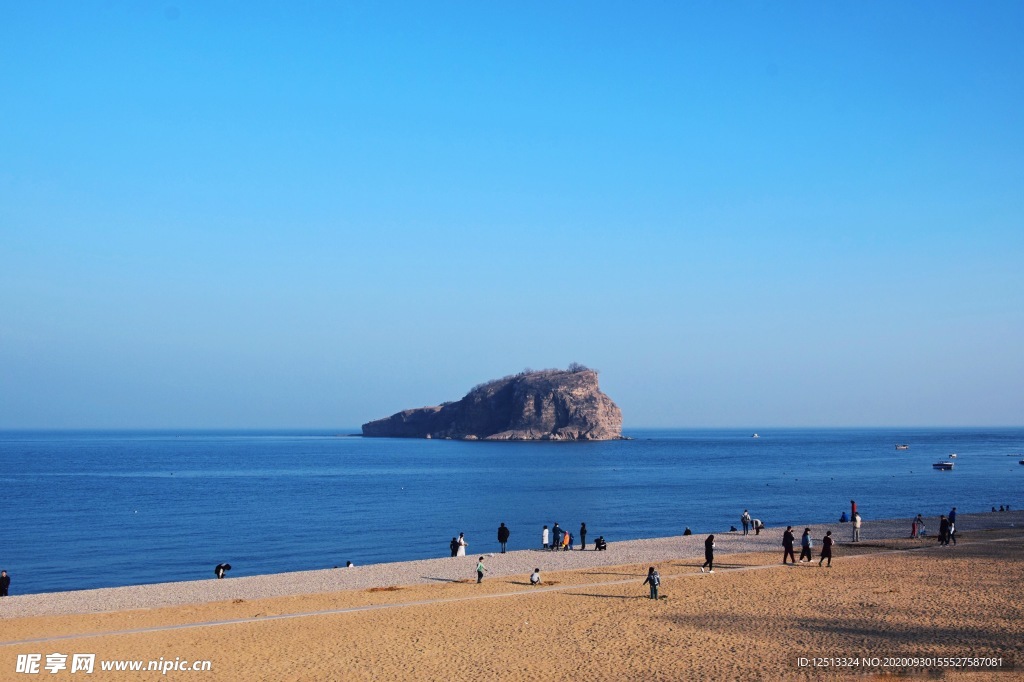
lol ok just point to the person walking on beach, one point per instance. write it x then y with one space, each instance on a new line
502 536
952 515
544 538
745 520
805 545
583 536
943 530
480 568
653 579
826 549
951 536
535 577
709 554
856 527
787 545
920 526
5 583
461 551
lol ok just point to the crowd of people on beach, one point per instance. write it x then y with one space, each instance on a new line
557 538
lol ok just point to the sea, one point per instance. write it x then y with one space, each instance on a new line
86 509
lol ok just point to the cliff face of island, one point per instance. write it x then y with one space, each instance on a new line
544 405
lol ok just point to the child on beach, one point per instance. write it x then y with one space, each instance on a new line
653 579
480 568
535 578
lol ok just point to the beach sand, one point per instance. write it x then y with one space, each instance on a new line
752 619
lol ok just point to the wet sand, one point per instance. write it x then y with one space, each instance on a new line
752 619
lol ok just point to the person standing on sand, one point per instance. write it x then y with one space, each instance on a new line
480 568
920 526
583 536
544 538
461 551
826 549
853 509
556 536
653 579
787 545
943 530
745 520
856 527
454 546
502 536
709 554
5 583
805 545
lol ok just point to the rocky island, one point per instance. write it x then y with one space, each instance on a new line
550 404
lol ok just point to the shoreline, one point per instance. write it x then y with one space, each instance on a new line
901 607
461 569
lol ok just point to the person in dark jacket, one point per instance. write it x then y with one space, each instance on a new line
943 530
805 545
709 554
556 536
583 536
502 536
5 583
454 546
653 579
826 549
787 544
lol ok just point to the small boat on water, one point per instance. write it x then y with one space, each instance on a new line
943 466
902 446
755 436
953 456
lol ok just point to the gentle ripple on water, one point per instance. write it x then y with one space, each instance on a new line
97 509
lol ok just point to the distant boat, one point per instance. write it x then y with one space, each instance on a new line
755 436
953 456
1022 461
902 446
944 466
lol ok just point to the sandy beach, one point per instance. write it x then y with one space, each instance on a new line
885 599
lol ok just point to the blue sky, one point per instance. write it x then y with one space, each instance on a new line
317 214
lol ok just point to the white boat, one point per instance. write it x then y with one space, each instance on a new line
755 436
944 466
902 446
953 456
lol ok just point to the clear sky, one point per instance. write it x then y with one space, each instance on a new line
316 214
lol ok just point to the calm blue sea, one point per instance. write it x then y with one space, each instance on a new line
97 509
